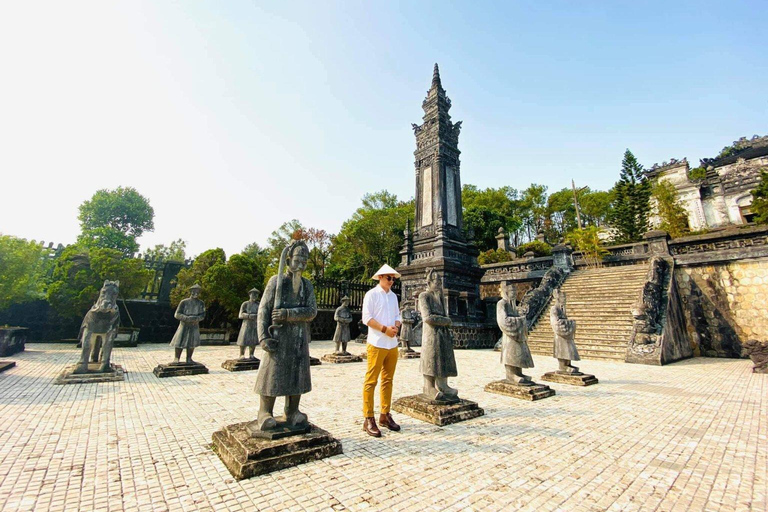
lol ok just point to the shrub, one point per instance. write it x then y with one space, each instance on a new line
538 247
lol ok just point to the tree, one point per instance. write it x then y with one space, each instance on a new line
493 256
175 251
115 219
371 237
588 242
22 265
534 206
485 210
79 273
631 203
672 215
485 224
760 199
595 206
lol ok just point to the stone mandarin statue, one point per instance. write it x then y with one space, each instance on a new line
99 329
564 329
249 336
410 317
189 313
343 317
286 311
437 358
515 354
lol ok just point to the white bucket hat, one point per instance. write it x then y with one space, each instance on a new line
385 270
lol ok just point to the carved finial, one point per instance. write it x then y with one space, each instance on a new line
436 77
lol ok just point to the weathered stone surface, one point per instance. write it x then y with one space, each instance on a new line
246 456
126 337
530 392
94 375
573 379
241 365
409 354
6 365
313 361
214 337
421 408
99 329
12 340
339 359
758 352
179 369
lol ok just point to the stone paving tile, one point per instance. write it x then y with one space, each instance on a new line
688 436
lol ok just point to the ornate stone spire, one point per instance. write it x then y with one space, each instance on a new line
436 77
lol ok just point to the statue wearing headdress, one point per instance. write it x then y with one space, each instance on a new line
410 316
343 317
515 354
437 358
287 308
249 334
190 312
565 330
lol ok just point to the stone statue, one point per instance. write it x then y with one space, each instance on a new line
515 354
343 317
189 313
437 359
99 328
410 318
249 336
286 311
564 329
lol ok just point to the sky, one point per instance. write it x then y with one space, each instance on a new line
234 117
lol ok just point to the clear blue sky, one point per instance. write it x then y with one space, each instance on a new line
233 117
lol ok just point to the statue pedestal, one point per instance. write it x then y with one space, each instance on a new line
438 413
338 359
179 369
68 376
241 365
6 365
523 392
574 379
313 361
409 354
246 456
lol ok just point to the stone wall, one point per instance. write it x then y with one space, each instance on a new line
725 305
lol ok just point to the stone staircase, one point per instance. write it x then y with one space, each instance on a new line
600 300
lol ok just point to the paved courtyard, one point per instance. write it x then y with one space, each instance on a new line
689 436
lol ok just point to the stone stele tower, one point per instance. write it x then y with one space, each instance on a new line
438 239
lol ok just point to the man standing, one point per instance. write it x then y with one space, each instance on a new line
381 313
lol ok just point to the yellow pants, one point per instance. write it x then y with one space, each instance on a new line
380 361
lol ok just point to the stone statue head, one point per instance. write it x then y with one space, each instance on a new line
107 300
345 301
509 291
254 293
297 257
194 290
433 280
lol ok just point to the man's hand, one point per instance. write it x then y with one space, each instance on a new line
391 331
279 316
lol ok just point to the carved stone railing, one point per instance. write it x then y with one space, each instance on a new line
720 246
517 270
624 254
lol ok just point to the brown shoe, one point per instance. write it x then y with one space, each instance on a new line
369 425
385 420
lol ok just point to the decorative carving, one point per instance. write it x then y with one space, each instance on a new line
758 352
535 300
647 311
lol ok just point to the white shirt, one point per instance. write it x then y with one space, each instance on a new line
383 307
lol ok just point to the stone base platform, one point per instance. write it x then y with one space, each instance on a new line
94 375
6 365
123 343
574 379
523 392
313 361
241 365
409 354
339 359
246 456
438 413
179 369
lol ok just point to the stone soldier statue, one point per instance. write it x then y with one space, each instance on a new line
99 328
515 354
437 359
287 308
564 329
343 317
249 336
189 313
410 317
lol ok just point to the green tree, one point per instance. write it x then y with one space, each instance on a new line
673 217
115 219
588 242
175 251
485 210
538 248
79 273
485 224
22 266
760 199
560 214
595 207
493 256
371 237
631 203
533 205
261 256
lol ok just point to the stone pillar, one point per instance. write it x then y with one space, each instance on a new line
503 240
657 242
561 256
